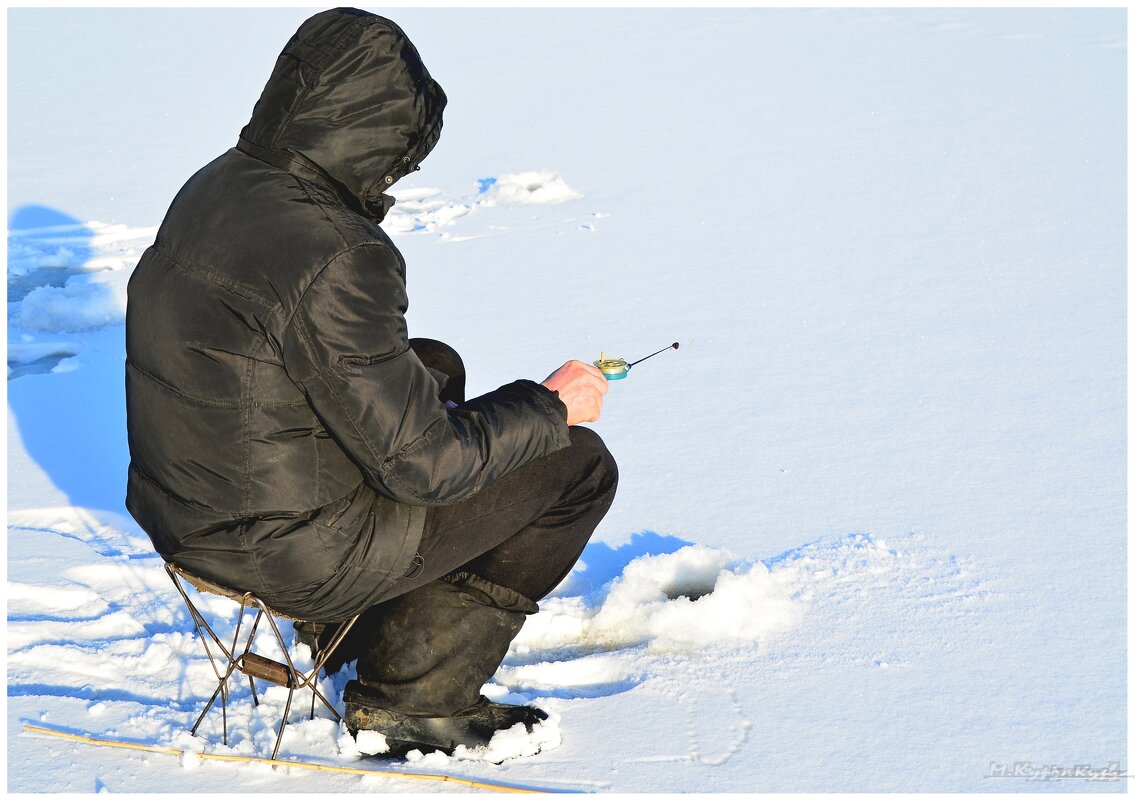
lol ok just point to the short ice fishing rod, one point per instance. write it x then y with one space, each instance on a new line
614 369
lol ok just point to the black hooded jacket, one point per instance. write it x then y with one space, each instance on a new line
284 439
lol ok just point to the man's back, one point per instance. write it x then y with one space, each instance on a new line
215 421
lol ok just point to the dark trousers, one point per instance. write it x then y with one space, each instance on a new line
523 532
526 530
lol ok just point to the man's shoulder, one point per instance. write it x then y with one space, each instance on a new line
263 227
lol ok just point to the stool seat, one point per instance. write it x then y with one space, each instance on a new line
240 657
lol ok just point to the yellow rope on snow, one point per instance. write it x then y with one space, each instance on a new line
435 777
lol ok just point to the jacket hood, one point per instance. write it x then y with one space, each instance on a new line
351 103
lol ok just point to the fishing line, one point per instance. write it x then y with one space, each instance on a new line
615 368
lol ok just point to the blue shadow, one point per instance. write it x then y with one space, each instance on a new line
72 423
602 563
45 248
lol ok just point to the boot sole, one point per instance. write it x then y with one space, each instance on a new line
402 739
399 750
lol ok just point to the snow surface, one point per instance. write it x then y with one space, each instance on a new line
871 528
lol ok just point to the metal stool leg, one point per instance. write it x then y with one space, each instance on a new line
246 660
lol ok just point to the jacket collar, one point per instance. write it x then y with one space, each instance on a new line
300 167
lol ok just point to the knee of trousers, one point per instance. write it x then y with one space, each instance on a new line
595 460
439 355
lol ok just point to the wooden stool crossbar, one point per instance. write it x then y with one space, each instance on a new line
239 657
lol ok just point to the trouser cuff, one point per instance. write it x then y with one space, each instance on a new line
495 595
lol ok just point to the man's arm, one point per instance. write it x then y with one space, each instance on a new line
346 347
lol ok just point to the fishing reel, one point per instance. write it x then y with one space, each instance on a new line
615 369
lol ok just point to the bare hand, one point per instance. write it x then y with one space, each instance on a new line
581 388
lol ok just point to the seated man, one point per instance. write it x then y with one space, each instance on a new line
288 439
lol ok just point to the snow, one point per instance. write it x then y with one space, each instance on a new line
533 187
871 526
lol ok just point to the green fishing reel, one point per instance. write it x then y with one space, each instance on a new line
616 369
613 369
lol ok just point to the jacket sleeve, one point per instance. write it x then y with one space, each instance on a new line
346 347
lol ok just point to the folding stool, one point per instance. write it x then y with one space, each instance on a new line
252 665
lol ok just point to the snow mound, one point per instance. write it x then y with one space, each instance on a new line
680 605
423 210
70 278
534 187
699 596
82 304
29 352
694 597
366 742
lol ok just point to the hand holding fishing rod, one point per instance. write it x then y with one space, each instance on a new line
615 369
582 387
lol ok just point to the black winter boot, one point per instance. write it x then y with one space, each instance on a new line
404 733
434 647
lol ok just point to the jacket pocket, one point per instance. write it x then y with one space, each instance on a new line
333 512
358 360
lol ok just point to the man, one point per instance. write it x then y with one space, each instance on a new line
288 439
